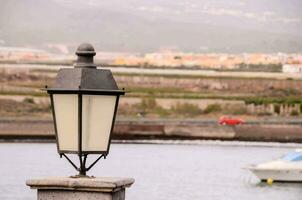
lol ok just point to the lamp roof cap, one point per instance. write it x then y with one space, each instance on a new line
85 49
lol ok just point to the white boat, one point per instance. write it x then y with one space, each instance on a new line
286 169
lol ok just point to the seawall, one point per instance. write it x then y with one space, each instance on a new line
291 131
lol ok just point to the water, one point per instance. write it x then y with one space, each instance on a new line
162 172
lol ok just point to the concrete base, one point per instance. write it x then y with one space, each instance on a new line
61 188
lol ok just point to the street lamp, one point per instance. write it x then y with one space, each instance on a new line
84 103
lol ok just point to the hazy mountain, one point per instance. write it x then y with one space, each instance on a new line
145 26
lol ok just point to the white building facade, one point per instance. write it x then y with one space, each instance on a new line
292 68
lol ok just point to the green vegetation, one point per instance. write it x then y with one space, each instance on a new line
284 92
212 108
234 109
159 90
260 67
291 100
264 114
199 76
186 109
31 85
28 100
51 71
27 107
294 113
277 108
146 107
26 84
149 108
34 94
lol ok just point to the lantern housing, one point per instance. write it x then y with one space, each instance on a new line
84 103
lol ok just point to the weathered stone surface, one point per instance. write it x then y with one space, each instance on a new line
72 195
276 132
66 188
101 184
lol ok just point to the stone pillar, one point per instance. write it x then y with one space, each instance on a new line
66 188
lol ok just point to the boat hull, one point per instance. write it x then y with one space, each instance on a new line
282 175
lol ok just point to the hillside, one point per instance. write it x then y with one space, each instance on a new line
142 26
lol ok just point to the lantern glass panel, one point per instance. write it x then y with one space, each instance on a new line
66 111
97 116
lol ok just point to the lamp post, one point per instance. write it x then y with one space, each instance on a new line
84 103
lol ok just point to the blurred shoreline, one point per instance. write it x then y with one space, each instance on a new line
164 104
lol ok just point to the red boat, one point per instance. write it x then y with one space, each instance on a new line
230 121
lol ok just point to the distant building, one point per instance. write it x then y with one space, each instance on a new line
292 68
18 53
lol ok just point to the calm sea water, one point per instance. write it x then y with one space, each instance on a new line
162 171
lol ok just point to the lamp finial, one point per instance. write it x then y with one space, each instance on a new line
85 53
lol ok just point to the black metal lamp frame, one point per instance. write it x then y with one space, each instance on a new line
82 169
84 79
